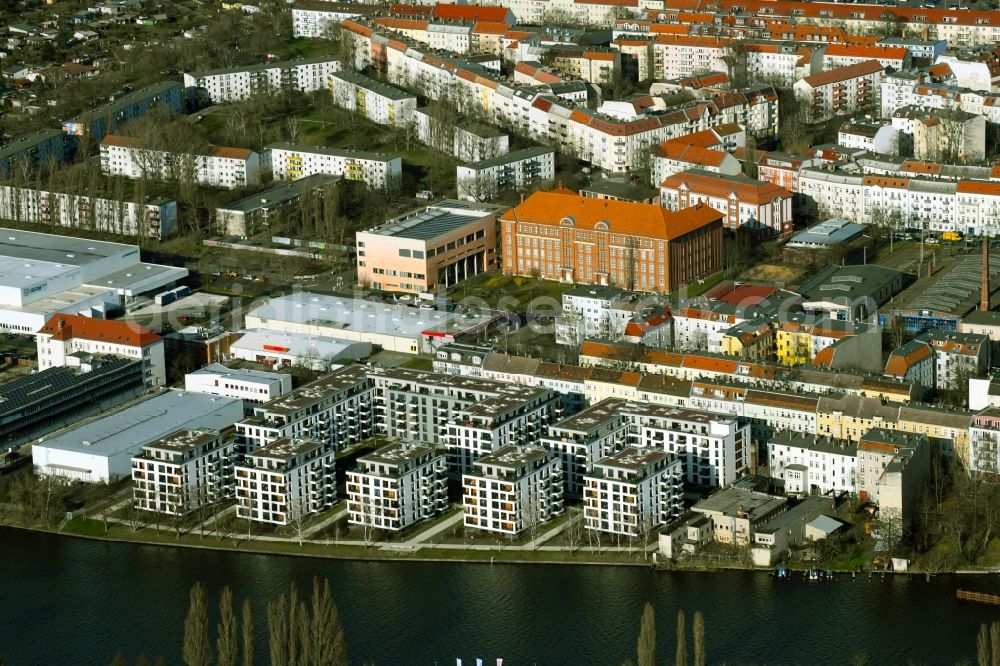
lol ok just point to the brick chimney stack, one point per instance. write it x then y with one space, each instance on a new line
984 296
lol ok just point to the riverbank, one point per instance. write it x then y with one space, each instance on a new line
84 529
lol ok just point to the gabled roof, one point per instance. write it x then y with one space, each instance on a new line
844 73
716 185
68 327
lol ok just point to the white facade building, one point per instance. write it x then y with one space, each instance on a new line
485 180
230 168
285 481
378 170
513 490
397 486
184 471
251 386
586 438
237 83
633 492
809 463
66 334
377 101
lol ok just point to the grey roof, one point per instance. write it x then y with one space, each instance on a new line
838 282
56 248
510 158
801 511
383 89
825 524
264 66
131 427
242 374
280 194
817 443
619 189
336 152
438 220
731 500
26 142
46 385
111 108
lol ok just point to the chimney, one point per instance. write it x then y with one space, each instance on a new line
984 296
61 324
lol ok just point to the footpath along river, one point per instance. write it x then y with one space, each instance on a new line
73 601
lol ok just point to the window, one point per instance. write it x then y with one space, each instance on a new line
418 254
404 253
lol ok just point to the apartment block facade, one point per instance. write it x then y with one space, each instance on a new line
284 481
397 486
584 439
744 202
237 83
376 101
378 170
841 91
633 492
229 168
513 490
485 180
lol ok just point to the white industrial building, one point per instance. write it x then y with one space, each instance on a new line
251 386
316 352
236 83
285 481
378 102
101 450
485 180
378 170
46 274
397 486
633 492
230 168
392 327
184 471
513 490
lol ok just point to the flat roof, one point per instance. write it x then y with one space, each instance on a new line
730 500
57 249
620 189
396 453
592 417
260 67
437 220
337 312
19 273
632 459
140 277
184 440
295 344
23 143
60 301
805 508
242 374
513 456
285 448
131 427
830 232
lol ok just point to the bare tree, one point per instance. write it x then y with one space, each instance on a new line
226 644
247 633
681 655
197 649
646 647
699 639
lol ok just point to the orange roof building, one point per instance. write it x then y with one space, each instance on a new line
642 247
744 202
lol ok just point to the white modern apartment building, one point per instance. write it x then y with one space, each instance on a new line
841 91
397 486
153 218
513 417
485 180
584 439
320 19
335 410
376 101
513 490
66 334
236 83
184 471
283 482
251 386
714 449
378 170
809 463
633 492
229 168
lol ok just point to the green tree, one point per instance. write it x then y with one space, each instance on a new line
647 636
197 648
227 645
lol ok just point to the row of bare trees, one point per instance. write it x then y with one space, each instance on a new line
646 644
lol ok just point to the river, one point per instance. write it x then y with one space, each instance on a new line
74 601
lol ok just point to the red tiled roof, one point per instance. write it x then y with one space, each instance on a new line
844 73
470 12
638 219
744 295
67 327
747 190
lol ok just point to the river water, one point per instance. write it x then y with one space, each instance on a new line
73 601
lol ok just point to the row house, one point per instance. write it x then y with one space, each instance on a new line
810 464
397 486
633 492
845 55
121 110
513 490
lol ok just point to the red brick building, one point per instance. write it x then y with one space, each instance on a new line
561 236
